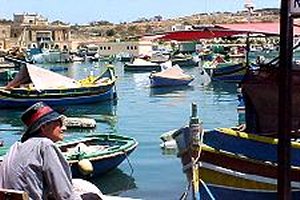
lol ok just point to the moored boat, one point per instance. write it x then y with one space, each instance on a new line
172 76
140 65
104 151
229 72
33 84
246 164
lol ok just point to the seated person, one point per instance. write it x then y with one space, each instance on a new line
35 164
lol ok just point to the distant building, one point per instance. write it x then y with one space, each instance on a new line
180 27
33 30
4 35
135 48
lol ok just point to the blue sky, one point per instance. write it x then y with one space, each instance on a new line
84 11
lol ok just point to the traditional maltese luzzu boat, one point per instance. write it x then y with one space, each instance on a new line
33 84
103 152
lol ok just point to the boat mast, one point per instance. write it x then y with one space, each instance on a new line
285 99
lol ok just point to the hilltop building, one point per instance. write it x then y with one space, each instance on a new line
180 27
5 31
33 30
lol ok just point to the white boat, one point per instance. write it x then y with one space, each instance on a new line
170 76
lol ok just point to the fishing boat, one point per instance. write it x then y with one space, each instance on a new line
221 70
229 72
33 84
105 152
140 65
172 76
238 184
183 60
248 161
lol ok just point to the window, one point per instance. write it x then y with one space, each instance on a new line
135 47
104 48
128 47
108 48
131 47
101 48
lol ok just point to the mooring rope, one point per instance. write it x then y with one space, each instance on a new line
207 190
129 163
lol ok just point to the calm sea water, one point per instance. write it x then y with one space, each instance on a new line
143 113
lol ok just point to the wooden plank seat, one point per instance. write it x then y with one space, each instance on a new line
8 194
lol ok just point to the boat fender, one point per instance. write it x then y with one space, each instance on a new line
85 167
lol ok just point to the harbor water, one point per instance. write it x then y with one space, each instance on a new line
143 113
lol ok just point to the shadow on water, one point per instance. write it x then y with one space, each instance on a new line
115 182
95 109
169 91
220 87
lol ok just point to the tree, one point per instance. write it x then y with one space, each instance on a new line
110 32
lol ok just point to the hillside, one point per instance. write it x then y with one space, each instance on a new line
105 31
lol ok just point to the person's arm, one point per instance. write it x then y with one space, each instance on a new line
57 174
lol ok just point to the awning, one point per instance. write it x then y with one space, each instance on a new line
42 79
196 35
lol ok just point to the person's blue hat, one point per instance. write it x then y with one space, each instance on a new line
36 116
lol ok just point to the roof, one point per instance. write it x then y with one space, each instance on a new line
224 30
199 34
265 28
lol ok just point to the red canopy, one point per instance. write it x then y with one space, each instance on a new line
196 35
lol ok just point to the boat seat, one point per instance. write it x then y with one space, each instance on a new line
7 194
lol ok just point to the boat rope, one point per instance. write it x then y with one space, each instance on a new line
129 163
207 190
186 192
197 159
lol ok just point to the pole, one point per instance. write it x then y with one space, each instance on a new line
284 103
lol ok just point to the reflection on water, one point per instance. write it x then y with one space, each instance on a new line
115 182
169 151
221 87
170 91
11 117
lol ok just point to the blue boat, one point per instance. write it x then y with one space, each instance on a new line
238 185
229 72
33 84
104 151
244 164
172 76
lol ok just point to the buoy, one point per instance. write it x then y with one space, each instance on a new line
85 167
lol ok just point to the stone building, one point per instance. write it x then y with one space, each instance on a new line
33 30
5 31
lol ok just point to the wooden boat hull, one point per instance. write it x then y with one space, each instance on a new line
258 147
244 164
226 184
159 81
229 73
141 68
117 150
260 91
10 100
184 62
